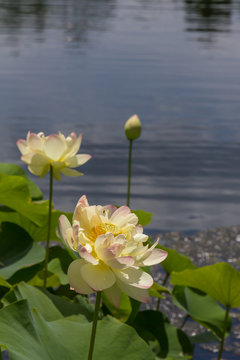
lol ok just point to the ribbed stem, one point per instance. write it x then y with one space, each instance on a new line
49 226
129 171
94 325
224 331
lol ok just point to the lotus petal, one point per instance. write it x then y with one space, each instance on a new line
120 262
134 292
135 277
156 257
35 142
54 147
70 172
86 255
114 295
78 160
98 277
22 146
75 278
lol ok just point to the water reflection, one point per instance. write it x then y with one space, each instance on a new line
87 65
74 18
208 16
17 14
85 15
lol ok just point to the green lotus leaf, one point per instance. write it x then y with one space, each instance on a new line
221 281
156 290
172 342
201 308
28 335
17 250
175 261
14 193
13 169
37 232
144 218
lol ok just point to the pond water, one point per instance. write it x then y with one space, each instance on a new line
86 66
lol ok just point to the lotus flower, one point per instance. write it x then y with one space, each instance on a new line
112 250
40 151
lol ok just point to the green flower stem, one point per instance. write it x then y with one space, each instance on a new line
129 171
224 331
49 226
184 321
94 325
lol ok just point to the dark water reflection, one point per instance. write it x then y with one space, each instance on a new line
88 65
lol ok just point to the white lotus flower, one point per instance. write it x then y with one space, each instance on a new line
112 250
40 151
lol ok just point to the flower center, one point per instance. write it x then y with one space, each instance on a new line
103 229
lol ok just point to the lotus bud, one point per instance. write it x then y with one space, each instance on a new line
133 128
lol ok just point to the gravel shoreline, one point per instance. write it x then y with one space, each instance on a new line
207 247
204 248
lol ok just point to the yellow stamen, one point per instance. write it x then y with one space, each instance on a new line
103 229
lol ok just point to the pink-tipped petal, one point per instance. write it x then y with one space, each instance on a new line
35 142
87 217
86 256
123 216
141 257
75 278
64 224
122 211
27 158
22 146
67 232
135 277
109 210
156 257
98 277
83 202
